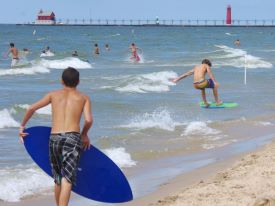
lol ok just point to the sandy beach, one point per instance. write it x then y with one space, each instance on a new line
238 181
248 179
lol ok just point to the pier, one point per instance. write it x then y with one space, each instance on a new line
162 22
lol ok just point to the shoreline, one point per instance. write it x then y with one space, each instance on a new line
170 192
238 181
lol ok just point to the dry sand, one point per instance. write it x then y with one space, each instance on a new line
250 178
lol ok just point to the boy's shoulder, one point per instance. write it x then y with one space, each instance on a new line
83 95
55 92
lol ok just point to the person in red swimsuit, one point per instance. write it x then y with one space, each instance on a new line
134 50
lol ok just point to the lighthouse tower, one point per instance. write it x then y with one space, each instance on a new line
228 15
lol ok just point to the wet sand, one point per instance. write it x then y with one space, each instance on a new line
237 181
248 179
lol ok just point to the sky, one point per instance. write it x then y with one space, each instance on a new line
23 11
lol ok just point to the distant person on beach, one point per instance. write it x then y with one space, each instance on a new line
66 139
134 50
237 43
75 54
107 47
15 55
201 83
96 50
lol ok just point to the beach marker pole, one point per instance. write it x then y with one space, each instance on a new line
245 69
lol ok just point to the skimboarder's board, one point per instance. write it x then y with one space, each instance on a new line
223 105
98 177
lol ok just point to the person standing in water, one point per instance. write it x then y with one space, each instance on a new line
134 49
201 83
96 50
237 43
75 54
107 47
15 55
67 139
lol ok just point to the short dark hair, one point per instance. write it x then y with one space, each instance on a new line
133 44
96 45
11 44
206 61
70 77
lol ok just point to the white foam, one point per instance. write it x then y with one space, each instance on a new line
115 34
263 123
217 144
47 54
26 70
120 157
153 82
6 120
64 63
199 128
47 110
40 39
18 182
160 119
236 58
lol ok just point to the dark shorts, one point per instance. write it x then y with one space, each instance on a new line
65 149
206 83
210 84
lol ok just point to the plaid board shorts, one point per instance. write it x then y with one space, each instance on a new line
65 149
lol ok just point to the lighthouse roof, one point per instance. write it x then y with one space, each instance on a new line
47 13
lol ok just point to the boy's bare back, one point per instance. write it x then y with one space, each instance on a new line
67 107
199 72
14 52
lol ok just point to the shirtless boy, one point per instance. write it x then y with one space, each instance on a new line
96 51
66 140
237 42
200 82
134 50
15 57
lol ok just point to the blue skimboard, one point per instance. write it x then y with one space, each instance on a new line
223 105
98 177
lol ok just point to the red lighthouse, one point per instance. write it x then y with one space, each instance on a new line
228 15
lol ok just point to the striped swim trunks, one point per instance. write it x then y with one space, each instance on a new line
65 149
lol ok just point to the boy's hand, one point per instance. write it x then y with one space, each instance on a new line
174 80
85 142
22 134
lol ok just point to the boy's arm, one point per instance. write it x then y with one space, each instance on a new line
8 52
211 75
41 103
191 72
139 49
88 121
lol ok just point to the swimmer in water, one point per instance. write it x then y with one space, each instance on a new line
75 54
107 48
134 50
15 55
96 51
237 42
